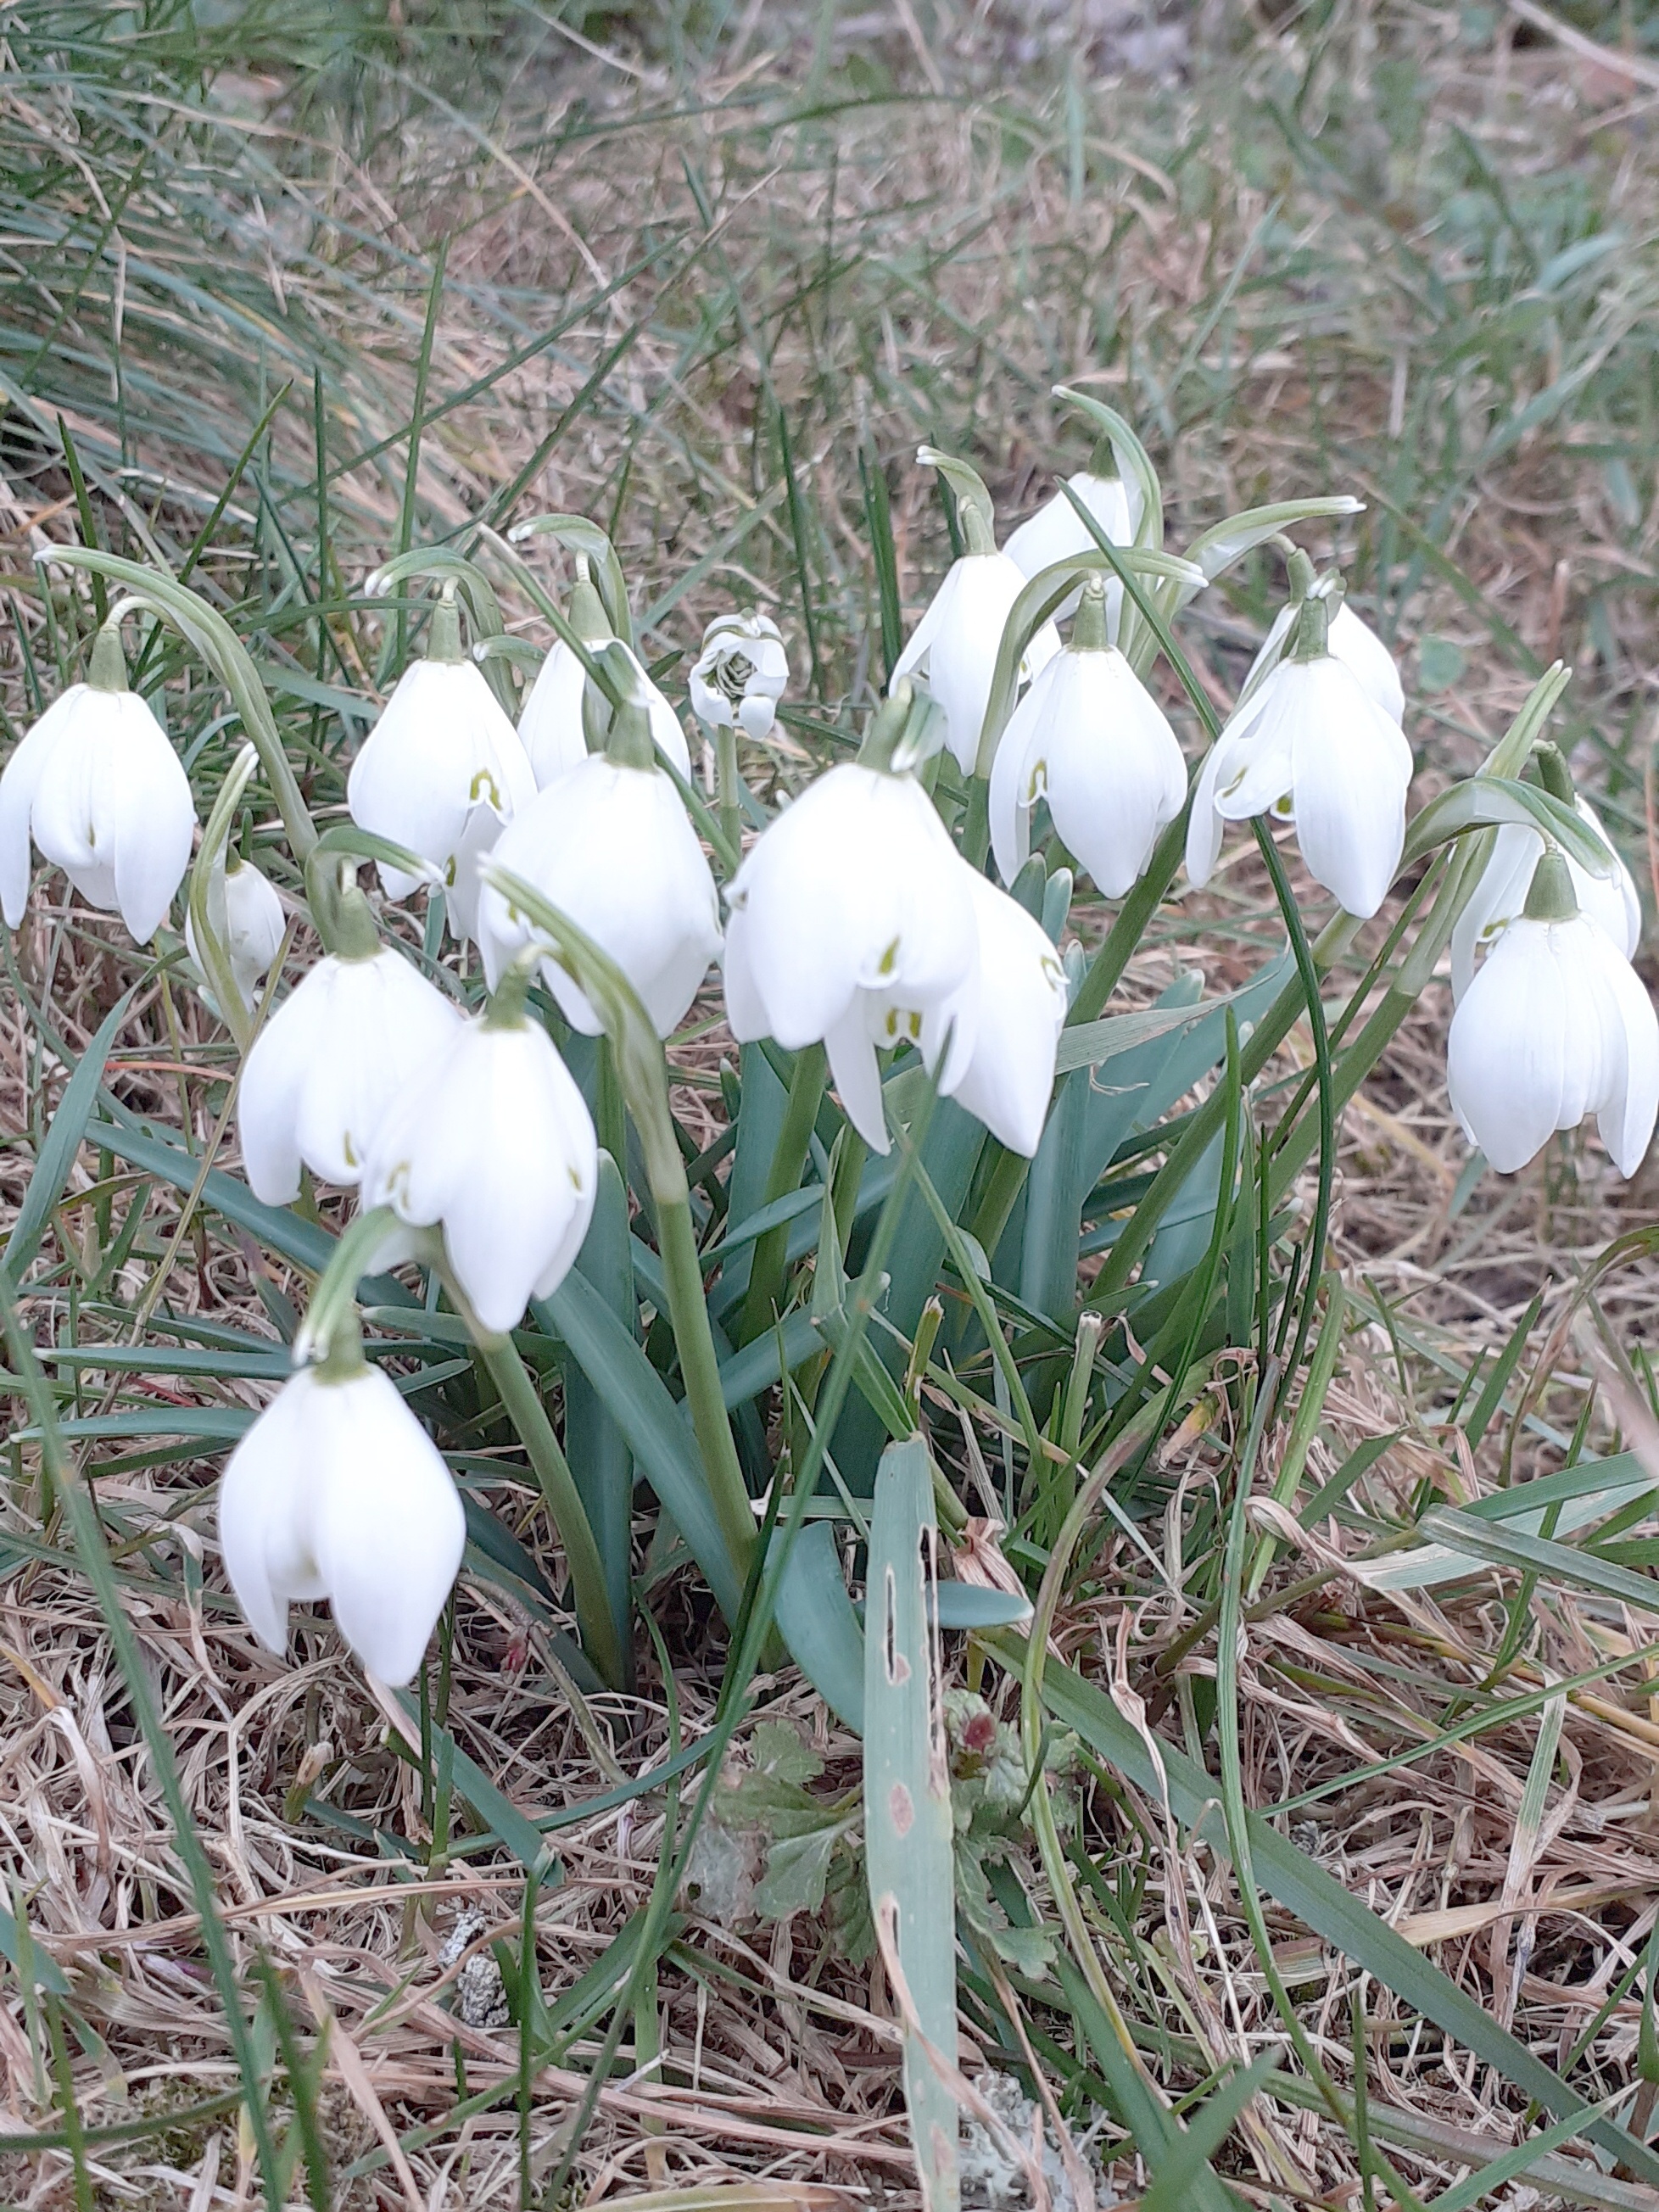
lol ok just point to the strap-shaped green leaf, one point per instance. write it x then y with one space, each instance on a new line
907 1798
816 1617
69 1126
1487 802
1216 549
638 1400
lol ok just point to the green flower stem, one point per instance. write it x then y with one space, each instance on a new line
643 1068
210 861
731 805
333 1304
1270 1032
699 1366
529 1416
212 636
800 1114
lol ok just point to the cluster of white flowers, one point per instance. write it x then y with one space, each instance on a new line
854 921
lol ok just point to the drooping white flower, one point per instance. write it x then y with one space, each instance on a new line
550 723
1353 641
98 785
610 846
1090 737
550 727
346 1042
337 1492
1310 745
1557 1024
1057 532
954 645
852 921
1019 1010
740 674
247 916
1612 902
440 773
491 1140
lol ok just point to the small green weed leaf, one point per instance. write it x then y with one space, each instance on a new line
1439 665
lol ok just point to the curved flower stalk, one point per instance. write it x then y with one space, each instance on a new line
740 675
1312 746
954 645
852 922
333 1058
1500 894
337 1492
643 1071
609 845
441 771
207 632
1556 1025
490 1140
1090 738
97 786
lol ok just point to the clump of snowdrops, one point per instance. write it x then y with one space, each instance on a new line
925 1124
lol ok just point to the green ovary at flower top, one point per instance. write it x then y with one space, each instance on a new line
857 921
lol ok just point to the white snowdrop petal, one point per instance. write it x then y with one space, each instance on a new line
856 1074
144 816
390 1525
1504 1051
1350 791
1626 1116
19 782
1021 1009
550 721
262 1508
613 847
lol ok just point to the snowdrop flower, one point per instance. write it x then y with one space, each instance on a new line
248 917
1352 640
347 1042
1090 737
491 1140
1310 745
852 921
337 1492
1611 901
441 771
552 727
1556 1025
740 674
98 785
1019 1009
955 644
1057 532
609 845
